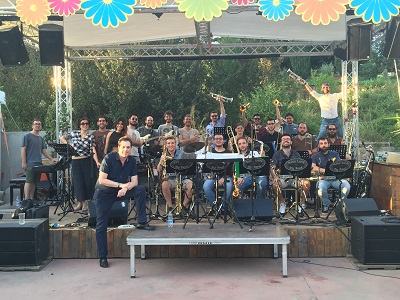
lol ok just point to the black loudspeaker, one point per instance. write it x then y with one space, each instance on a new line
12 47
262 209
118 215
24 245
340 53
51 44
352 207
359 36
392 42
376 240
38 212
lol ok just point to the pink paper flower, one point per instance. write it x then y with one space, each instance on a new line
242 2
64 7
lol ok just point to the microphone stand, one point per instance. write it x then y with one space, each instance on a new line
254 186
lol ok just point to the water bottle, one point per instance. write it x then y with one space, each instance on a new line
170 219
17 202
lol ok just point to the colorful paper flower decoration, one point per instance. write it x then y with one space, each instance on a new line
64 7
153 3
320 11
242 2
108 12
33 12
202 10
275 9
376 10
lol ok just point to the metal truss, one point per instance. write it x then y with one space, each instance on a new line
350 106
187 51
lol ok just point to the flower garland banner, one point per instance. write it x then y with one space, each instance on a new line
320 11
33 12
276 9
376 10
64 7
108 12
153 3
202 10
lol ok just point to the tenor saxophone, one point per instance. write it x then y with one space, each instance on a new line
164 176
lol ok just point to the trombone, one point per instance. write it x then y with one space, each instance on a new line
232 139
223 98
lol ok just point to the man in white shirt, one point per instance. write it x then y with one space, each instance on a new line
329 112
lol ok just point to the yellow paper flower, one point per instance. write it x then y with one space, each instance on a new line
33 12
320 11
202 10
153 3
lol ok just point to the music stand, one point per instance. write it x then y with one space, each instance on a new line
65 194
257 166
341 149
296 168
337 171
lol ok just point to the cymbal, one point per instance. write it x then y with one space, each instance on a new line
193 147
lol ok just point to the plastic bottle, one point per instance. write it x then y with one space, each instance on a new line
17 202
170 220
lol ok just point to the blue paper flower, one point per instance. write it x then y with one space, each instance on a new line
376 10
275 9
108 12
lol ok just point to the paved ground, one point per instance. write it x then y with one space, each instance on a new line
204 278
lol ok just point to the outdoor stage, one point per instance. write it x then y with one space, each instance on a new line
312 238
315 238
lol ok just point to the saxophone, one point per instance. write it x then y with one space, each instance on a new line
164 176
178 193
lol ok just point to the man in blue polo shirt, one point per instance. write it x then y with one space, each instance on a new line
118 180
319 162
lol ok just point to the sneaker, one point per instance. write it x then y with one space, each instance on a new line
282 208
304 206
325 209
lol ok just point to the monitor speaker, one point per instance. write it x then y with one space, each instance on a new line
352 207
12 47
359 36
262 210
118 215
51 44
392 42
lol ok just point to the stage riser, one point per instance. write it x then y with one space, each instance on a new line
304 242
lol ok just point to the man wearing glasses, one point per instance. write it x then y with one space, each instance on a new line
272 133
135 136
253 129
32 148
328 103
215 121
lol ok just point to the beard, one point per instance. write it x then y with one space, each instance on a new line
324 149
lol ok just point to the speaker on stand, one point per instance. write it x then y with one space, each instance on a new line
359 35
12 47
51 44
392 41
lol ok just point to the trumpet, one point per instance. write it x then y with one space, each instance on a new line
244 107
277 103
223 98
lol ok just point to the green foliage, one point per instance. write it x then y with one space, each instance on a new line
29 92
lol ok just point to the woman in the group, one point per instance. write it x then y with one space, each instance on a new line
120 130
83 175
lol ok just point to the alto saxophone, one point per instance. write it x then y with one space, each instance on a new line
164 176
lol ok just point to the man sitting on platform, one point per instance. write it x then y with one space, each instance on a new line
118 180
319 162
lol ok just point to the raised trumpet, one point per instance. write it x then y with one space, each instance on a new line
277 103
224 99
244 107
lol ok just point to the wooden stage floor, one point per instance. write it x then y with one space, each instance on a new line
311 238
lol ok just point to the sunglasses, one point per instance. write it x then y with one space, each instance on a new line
134 119
84 123
214 116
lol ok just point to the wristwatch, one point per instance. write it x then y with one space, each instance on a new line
118 185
